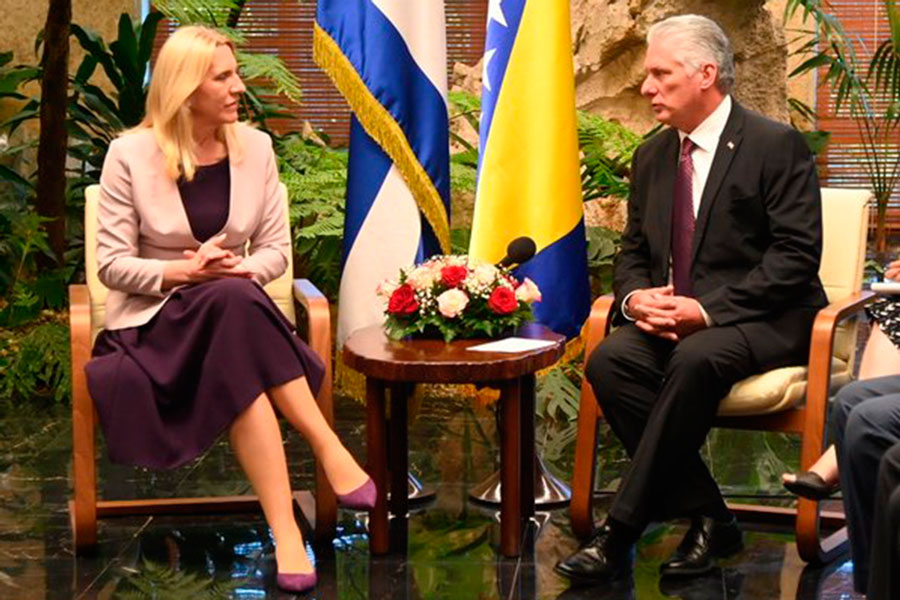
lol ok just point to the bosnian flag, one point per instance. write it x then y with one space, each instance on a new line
529 181
388 59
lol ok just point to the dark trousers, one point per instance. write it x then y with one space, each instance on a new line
865 422
884 572
660 398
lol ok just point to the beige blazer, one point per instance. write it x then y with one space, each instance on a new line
142 222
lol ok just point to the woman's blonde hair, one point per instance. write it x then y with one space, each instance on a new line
182 65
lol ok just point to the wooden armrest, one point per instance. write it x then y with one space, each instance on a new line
319 321
79 325
821 344
821 348
599 323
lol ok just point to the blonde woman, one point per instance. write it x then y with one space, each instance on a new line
193 346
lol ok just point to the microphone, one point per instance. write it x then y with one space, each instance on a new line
518 251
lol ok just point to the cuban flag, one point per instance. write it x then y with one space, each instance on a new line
529 181
388 59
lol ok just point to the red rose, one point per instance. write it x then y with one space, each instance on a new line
503 300
453 275
403 301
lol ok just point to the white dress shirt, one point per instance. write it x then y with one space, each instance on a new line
706 140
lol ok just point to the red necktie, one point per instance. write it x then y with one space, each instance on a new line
683 221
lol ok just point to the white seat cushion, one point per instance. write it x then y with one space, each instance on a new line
776 390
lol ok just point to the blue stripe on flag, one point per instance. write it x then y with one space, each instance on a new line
380 55
565 291
500 39
367 166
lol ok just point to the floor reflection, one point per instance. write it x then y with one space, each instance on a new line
450 548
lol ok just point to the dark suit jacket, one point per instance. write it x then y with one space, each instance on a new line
758 235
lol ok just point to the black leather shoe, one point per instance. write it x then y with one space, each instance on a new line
601 560
704 541
811 485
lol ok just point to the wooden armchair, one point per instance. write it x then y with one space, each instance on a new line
87 306
772 401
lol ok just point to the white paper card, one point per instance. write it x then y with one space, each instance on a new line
513 344
886 287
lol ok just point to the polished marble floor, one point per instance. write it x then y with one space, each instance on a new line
452 542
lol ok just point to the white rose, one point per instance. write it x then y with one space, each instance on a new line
422 278
386 288
528 292
452 302
485 273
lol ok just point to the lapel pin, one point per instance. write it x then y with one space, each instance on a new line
731 145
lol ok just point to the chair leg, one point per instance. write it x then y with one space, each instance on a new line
83 508
580 507
811 546
326 501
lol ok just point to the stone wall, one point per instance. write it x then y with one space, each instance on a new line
609 36
24 18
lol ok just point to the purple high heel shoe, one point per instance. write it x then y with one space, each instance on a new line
296 583
362 498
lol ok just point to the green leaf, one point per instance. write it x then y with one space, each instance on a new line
9 174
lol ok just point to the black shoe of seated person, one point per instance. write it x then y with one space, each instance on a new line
706 540
605 559
811 486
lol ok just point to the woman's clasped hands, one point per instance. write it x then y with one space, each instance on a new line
209 261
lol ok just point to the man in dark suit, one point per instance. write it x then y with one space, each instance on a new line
716 280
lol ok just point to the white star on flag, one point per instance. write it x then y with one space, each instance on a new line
486 81
495 12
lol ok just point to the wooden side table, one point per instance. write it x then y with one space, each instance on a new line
397 364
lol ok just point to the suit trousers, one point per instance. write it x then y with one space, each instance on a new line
865 422
884 575
660 399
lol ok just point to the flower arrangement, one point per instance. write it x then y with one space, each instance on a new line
454 297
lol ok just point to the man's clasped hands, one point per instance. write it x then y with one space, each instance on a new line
658 311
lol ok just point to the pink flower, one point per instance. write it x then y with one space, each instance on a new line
528 292
452 302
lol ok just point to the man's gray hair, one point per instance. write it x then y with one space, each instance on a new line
702 41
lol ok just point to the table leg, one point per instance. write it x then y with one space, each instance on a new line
376 450
398 427
526 447
511 468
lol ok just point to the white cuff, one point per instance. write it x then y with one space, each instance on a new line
706 317
625 304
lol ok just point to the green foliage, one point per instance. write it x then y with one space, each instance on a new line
870 93
316 180
34 360
95 117
607 149
559 392
25 290
158 582
603 244
459 240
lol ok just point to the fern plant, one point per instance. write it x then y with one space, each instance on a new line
158 582
870 93
35 361
316 179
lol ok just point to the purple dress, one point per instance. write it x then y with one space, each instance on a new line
167 389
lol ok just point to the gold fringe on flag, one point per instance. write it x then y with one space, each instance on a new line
384 129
